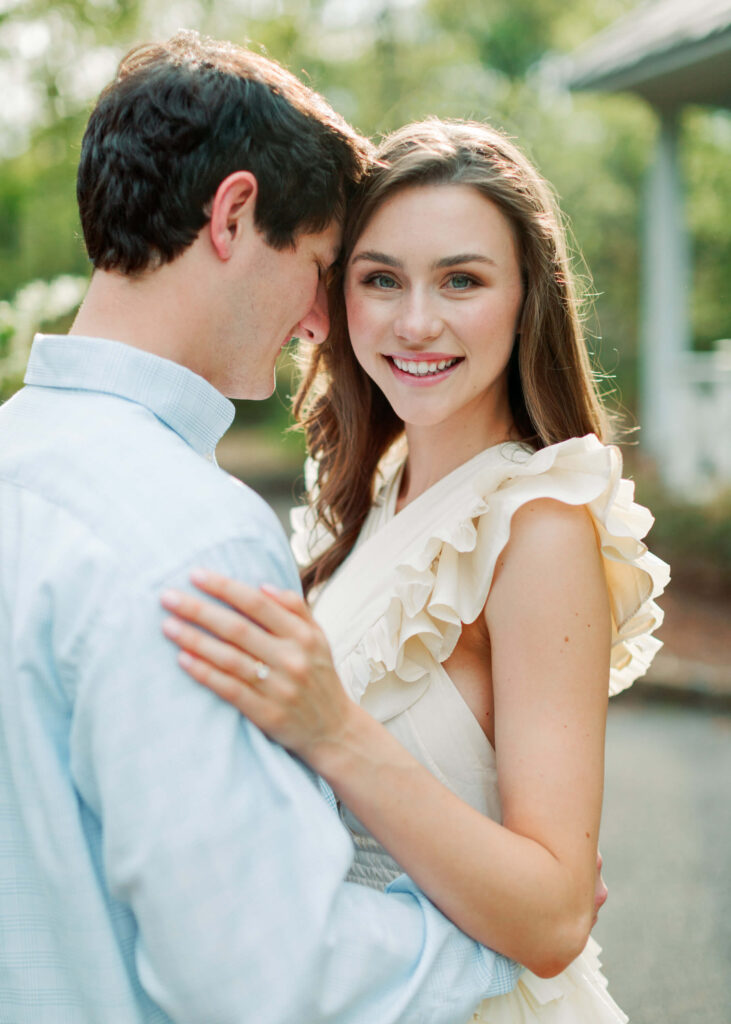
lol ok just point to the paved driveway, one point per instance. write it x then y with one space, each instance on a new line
666 840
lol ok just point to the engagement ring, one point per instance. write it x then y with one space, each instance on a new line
262 670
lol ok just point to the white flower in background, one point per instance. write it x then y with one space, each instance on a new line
35 304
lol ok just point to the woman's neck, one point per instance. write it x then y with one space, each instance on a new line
433 452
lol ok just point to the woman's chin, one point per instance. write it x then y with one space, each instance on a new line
420 418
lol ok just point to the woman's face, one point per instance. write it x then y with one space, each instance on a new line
433 293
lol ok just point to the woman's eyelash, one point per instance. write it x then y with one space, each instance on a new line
467 278
373 278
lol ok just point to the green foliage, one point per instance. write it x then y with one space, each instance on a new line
511 37
508 38
695 539
707 167
37 204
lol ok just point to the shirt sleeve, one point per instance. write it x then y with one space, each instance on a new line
229 857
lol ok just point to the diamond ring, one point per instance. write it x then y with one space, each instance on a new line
261 670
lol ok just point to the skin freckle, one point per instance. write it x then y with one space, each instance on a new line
565 639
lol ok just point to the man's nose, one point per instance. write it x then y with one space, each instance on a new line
314 327
416 319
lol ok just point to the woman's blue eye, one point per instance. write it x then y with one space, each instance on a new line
382 281
460 281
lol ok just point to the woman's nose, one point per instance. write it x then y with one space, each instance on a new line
416 319
314 326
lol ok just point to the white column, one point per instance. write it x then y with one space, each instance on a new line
665 322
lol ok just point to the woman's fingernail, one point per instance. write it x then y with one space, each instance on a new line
269 588
170 598
185 659
172 628
199 576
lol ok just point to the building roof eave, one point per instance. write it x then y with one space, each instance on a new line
669 61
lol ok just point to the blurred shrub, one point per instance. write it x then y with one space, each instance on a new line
695 539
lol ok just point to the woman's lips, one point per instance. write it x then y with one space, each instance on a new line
422 369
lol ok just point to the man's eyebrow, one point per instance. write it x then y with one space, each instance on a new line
462 257
377 257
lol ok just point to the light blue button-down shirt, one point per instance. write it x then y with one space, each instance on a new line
159 857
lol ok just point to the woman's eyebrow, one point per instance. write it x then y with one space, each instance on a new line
377 257
372 256
462 257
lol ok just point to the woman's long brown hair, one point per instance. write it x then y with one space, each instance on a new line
349 424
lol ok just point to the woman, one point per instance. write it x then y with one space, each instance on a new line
473 558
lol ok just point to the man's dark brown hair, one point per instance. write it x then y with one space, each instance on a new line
180 117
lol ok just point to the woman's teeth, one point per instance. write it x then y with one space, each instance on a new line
422 369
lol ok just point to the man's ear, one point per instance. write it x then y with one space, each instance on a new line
232 210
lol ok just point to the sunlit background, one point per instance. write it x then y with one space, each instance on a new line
615 151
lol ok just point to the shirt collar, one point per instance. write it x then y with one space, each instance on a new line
185 402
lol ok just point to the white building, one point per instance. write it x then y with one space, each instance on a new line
672 52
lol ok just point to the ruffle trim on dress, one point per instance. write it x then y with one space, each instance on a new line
576 996
446 583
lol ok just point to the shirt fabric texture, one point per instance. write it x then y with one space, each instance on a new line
160 859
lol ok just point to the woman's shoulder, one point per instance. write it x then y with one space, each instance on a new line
549 522
571 498
551 556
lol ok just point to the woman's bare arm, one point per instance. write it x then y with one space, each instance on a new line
525 888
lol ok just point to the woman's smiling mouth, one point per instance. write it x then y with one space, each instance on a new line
422 370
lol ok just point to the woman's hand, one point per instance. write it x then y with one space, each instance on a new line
267 656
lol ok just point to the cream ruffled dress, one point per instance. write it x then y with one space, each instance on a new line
393 613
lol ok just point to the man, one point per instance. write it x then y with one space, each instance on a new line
159 858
